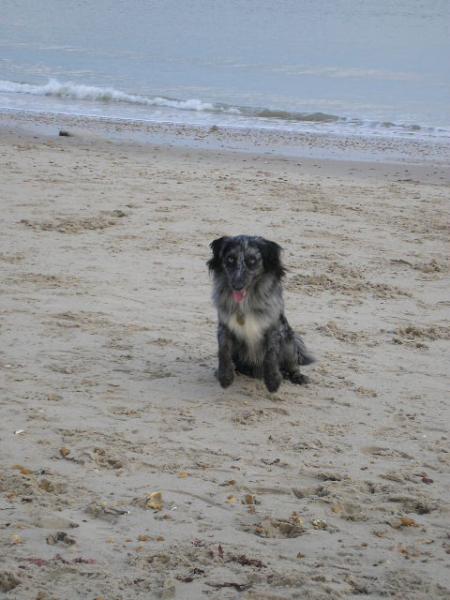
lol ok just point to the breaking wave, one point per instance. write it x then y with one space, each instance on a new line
315 117
230 115
76 91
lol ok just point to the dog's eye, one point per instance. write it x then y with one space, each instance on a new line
251 261
231 260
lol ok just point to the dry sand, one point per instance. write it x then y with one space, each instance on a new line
335 490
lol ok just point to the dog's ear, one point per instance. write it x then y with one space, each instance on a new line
215 263
271 255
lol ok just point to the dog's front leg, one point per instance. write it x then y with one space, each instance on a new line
271 366
225 371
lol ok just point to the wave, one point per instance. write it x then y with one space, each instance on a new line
315 117
231 115
76 91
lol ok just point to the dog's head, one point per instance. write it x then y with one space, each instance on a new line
244 260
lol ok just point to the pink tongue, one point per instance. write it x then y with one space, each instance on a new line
239 296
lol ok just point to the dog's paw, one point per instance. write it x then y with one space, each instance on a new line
273 381
298 378
225 377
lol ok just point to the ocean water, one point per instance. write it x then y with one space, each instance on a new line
362 67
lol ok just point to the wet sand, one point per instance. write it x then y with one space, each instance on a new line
126 472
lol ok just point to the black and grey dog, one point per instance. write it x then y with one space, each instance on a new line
253 333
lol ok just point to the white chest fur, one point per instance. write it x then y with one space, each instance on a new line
250 329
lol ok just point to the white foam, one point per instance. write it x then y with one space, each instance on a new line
72 98
78 91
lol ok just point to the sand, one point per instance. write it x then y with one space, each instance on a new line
126 471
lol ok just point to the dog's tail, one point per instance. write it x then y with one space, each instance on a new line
304 355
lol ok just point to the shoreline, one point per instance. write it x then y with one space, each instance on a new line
264 142
335 489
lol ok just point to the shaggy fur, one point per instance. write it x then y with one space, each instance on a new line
254 335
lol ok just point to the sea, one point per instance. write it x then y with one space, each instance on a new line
343 67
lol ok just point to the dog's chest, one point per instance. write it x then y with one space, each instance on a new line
247 327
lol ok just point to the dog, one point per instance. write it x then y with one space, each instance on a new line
253 333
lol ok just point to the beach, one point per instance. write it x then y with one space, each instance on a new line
127 472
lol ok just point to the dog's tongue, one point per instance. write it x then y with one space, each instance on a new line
239 296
